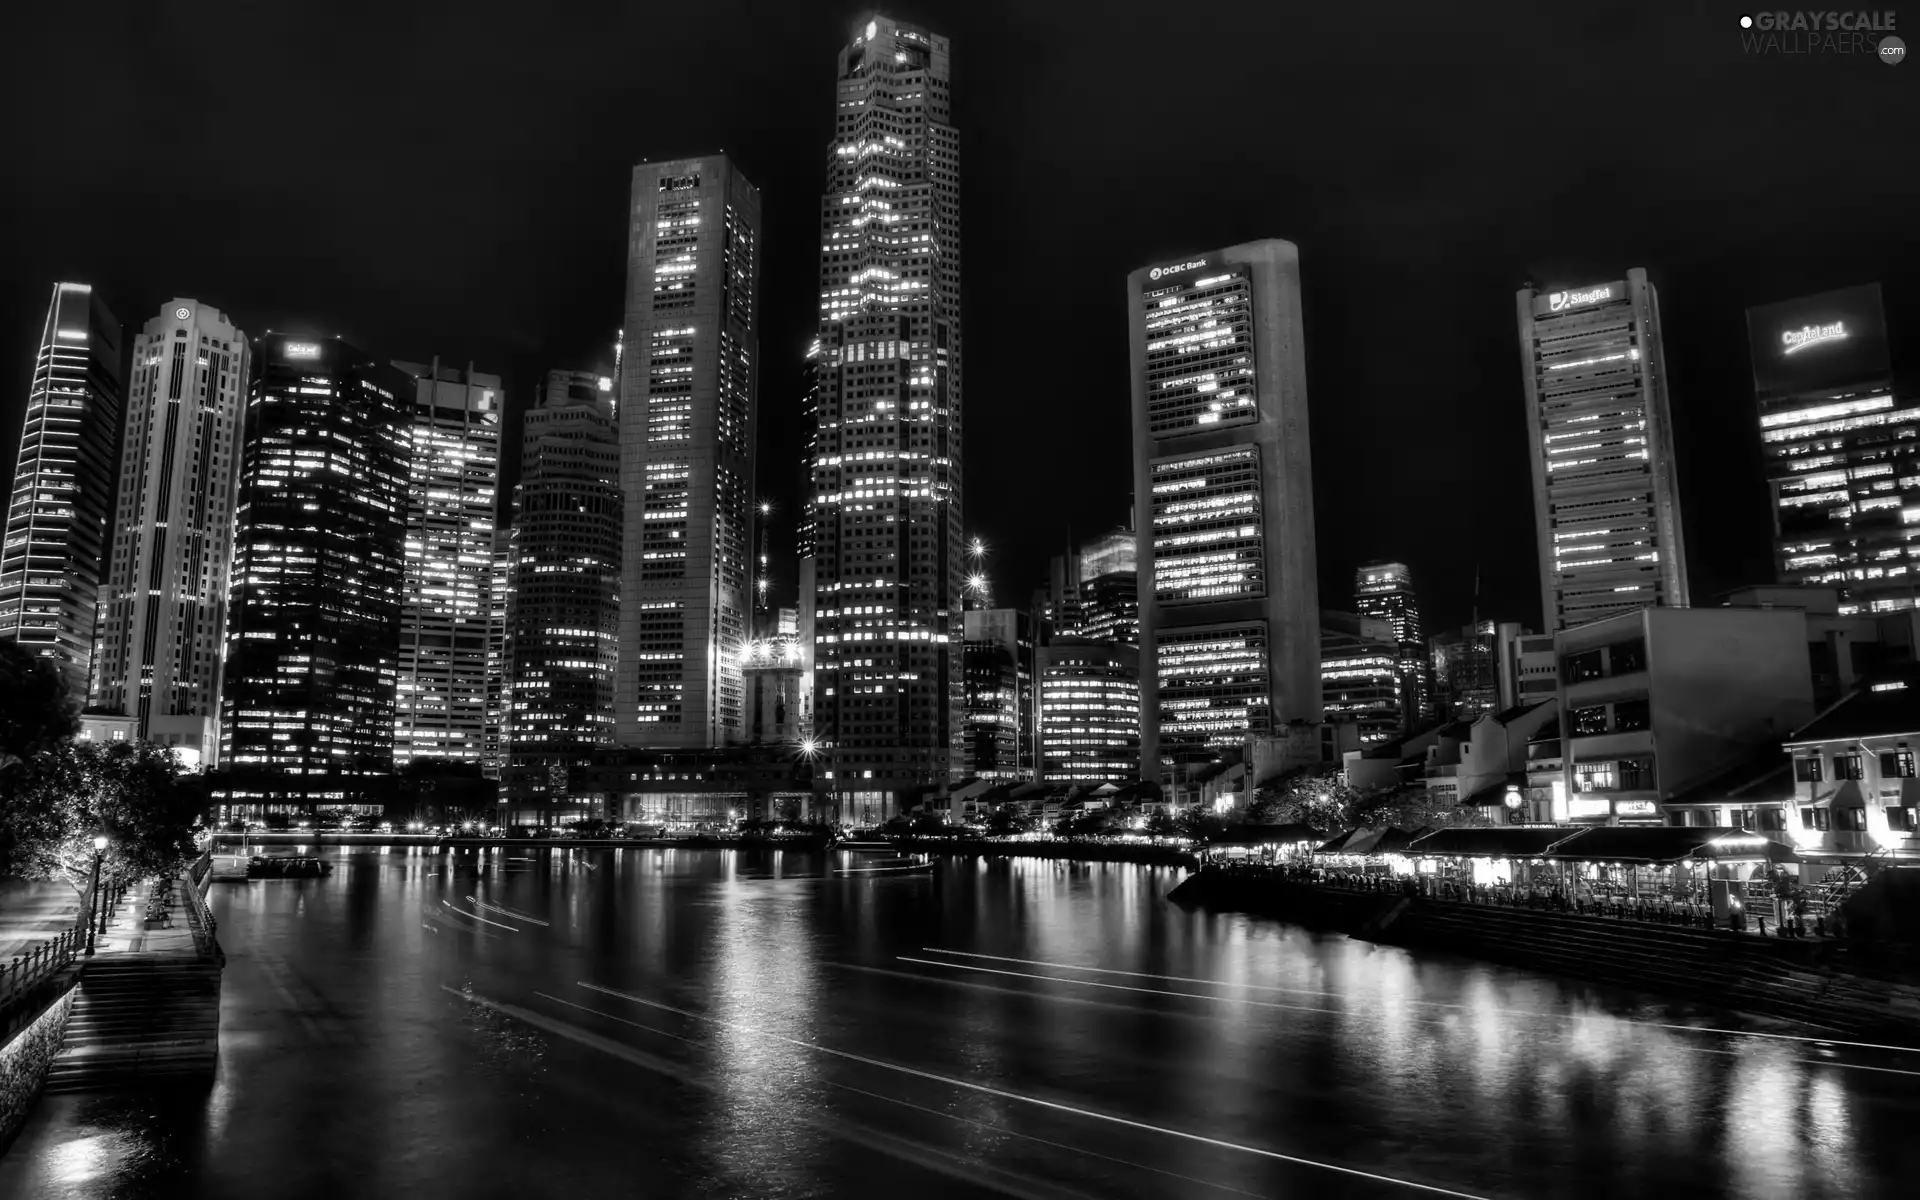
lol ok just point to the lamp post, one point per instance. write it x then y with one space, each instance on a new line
93 892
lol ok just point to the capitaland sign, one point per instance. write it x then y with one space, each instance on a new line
300 350
1793 341
1561 301
1160 272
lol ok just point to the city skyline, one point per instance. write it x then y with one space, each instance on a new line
548 296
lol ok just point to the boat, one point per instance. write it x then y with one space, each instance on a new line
287 866
799 838
850 844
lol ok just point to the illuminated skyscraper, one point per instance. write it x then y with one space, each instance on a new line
63 487
888 548
1088 712
1384 590
1110 589
493 754
163 617
1360 674
1606 504
564 581
446 621
998 662
688 383
313 633
1843 453
1229 603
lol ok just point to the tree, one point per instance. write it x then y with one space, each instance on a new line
1009 819
1161 824
1200 825
67 795
35 711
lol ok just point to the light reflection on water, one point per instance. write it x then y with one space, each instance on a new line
1491 1081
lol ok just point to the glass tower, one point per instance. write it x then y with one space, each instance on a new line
1384 590
446 620
1606 505
688 383
313 637
163 617
63 487
888 563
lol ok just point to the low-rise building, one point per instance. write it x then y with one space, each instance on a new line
700 788
1855 790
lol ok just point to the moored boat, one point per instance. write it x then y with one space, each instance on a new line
287 866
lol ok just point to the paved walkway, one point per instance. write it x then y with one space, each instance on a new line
133 935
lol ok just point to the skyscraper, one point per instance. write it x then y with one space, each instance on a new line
1842 451
446 617
1605 501
998 661
1229 603
1384 590
63 487
1088 711
564 615
313 633
888 548
1360 674
493 754
687 417
163 615
1110 589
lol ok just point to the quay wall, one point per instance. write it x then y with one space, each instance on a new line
26 1055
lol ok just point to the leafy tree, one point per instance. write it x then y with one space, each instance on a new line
1093 824
65 796
35 711
1009 819
1200 825
1162 824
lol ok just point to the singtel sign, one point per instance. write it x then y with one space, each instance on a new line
1560 301
1157 272
1796 340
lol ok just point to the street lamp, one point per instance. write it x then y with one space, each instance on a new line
95 917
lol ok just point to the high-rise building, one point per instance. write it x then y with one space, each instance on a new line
1384 590
779 710
1605 501
1088 716
493 754
998 662
688 384
1110 589
1361 677
63 487
163 615
446 617
1466 671
889 567
313 632
1229 602
564 580
1842 448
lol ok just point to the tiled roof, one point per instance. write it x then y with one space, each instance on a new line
1885 703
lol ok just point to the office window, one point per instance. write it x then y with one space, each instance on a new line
1575 668
1587 721
1903 820
1850 820
1627 657
1770 820
1631 715
1847 766
1896 764
1807 770
1636 776
1813 818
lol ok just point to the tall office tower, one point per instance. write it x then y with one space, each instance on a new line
63 487
1088 715
889 556
313 631
446 617
564 621
1110 589
1060 613
1229 602
1360 674
1384 590
1466 671
687 418
1605 501
493 754
997 657
1843 454
163 615
806 595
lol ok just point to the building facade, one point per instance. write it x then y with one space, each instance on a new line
1855 789
564 579
889 571
313 634
1842 448
63 487
689 380
447 617
999 740
1088 714
1384 591
1361 680
163 615
1605 500
1110 588
1229 602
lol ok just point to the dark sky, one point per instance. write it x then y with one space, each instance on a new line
451 178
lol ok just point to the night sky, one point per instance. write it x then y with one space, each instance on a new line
452 179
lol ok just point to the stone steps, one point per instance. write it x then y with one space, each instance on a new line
140 1018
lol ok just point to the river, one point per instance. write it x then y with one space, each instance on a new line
705 1023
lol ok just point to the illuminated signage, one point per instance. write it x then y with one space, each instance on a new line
1796 340
1579 807
679 183
1157 272
1561 301
300 350
1635 808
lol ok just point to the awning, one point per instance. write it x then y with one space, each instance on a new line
1266 835
1339 844
1497 842
1668 844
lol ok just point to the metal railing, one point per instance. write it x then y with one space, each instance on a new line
200 918
42 961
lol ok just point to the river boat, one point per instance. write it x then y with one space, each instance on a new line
287 866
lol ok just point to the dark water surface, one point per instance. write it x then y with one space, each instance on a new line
741 1024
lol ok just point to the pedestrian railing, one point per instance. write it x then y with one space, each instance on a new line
42 961
201 922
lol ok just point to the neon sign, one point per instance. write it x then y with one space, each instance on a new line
300 350
1559 301
1796 340
1157 272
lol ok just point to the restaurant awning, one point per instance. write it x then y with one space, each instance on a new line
1667 844
1339 844
1495 842
1266 835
